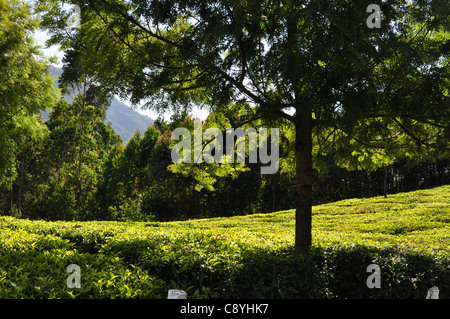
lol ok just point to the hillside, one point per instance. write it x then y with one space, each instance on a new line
124 120
406 234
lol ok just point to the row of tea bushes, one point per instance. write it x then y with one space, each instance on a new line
251 256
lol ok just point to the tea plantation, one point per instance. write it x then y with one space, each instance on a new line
251 256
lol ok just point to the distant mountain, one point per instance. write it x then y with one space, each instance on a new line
124 120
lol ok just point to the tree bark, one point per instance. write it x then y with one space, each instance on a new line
303 181
19 195
274 181
303 138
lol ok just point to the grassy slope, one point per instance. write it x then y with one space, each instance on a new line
34 254
419 219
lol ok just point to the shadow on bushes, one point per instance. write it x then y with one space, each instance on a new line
332 272
208 268
404 274
277 275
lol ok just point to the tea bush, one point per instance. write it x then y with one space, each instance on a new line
238 257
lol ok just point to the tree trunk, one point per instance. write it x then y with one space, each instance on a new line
79 196
19 195
11 187
303 181
303 138
273 191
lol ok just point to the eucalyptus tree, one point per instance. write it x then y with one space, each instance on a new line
342 80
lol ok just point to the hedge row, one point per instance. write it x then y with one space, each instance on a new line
117 264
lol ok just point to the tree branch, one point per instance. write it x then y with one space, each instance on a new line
414 137
140 26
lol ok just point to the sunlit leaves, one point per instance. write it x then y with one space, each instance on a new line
214 257
25 86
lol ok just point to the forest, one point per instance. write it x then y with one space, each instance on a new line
80 170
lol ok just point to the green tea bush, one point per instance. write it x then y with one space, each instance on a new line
33 274
34 264
404 273
265 275
238 257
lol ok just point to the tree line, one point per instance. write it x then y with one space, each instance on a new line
81 170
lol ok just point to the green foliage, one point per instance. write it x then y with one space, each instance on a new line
78 140
25 86
207 173
238 257
352 80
